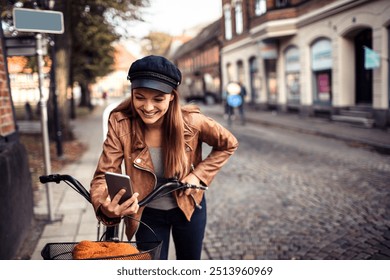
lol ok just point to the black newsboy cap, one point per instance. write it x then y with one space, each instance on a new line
155 72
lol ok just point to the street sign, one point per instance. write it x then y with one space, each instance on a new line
371 59
42 21
22 46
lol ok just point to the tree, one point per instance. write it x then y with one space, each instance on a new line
84 51
156 43
97 25
92 38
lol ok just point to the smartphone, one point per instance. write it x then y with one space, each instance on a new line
116 182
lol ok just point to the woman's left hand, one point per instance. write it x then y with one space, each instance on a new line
193 180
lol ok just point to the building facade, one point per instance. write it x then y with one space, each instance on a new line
310 56
199 62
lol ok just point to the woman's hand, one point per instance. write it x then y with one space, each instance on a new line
193 180
112 208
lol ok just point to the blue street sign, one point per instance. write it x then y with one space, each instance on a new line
234 100
41 21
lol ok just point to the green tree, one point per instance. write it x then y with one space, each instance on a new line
84 51
156 43
97 24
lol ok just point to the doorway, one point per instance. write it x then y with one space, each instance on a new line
364 77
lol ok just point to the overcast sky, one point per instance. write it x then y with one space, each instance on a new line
174 16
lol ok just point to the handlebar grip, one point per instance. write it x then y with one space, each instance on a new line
50 178
200 187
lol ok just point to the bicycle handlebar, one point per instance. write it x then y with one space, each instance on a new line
169 185
70 180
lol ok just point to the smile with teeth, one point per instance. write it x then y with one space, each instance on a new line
149 114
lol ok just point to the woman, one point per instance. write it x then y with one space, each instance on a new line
156 138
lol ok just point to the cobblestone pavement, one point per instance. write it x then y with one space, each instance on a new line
287 195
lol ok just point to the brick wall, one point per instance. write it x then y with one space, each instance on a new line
7 123
16 199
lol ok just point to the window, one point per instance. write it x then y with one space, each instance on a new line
292 74
321 56
228 22
240 71
281 3
255 79
239 18
229 71
260 7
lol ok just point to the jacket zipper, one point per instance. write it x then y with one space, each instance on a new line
147 170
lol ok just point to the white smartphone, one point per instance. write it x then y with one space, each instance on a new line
116 182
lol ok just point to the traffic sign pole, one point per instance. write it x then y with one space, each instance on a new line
41 21
44 124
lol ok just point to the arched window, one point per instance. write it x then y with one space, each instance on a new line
240 71
229 71
321 64
255 81
292 75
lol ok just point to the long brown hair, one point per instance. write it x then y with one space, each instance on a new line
173 145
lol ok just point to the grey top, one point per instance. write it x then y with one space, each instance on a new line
166 202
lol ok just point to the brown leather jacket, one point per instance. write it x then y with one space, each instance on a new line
125 142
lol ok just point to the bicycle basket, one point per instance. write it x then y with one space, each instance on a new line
64 251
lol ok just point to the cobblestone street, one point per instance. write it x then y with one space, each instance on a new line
288 195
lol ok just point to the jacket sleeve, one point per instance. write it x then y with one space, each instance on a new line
223 144
110 160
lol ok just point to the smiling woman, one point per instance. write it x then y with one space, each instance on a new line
151 105
157 139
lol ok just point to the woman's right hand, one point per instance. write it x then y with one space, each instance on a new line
112 208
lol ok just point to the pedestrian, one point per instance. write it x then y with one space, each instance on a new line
241 106
235 98
156 138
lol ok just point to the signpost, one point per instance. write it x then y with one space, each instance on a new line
371 59
41 21
24 46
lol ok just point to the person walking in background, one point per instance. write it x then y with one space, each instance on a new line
235 98
157 138
241 107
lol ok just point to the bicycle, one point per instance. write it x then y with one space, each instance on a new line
63 251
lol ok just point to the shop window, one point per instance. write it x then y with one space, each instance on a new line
255 82
240 71
292 77
271 78
321 56
323 86
229 71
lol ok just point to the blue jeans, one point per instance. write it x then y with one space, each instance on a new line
187 235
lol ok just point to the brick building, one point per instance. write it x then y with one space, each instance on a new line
308 56
199 62
16 200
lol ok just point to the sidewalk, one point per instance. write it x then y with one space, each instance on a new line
75 219
375 138
74 216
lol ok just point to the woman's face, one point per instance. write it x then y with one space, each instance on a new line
151 105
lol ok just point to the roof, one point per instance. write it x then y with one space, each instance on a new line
210 32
